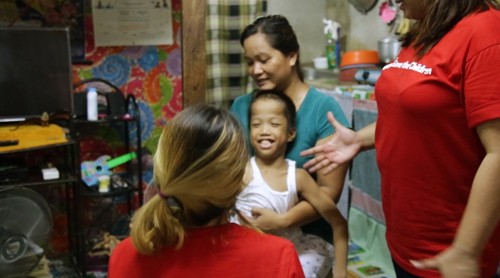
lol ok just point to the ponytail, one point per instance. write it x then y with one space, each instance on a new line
156 224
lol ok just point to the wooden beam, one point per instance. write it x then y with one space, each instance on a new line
193 51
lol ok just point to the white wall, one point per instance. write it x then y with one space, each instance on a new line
306 17
366 29
362 30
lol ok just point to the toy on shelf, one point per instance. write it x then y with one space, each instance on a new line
91 170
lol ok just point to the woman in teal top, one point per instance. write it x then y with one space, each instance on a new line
271 50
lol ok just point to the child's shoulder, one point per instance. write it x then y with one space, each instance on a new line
302 175
247 177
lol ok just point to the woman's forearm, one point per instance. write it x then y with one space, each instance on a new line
482 213
366 136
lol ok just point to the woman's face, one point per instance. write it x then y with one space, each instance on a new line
268 67
413 9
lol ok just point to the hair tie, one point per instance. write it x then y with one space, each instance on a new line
163 196
171 201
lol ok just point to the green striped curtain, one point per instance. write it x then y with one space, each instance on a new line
227 75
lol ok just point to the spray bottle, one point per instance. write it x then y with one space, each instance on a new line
332 47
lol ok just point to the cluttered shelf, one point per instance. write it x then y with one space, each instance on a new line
106 120
119 184
37 155
28 137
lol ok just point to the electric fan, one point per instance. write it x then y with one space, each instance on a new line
25 226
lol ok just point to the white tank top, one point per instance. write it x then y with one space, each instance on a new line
259 194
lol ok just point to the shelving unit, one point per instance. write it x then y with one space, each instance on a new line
105 216
21 168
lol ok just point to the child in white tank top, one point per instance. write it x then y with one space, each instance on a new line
274 183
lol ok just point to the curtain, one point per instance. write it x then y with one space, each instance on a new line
226 69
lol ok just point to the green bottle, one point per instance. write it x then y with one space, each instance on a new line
331 51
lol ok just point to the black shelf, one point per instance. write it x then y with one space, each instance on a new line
99 211
22 168
105 120
65 178
41 147
114 190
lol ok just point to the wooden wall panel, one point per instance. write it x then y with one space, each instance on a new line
193 51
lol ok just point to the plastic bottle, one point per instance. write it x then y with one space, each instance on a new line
331 51
92 104
332 46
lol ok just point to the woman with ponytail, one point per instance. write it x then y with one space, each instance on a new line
183 231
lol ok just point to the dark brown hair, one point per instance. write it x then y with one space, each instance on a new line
441 17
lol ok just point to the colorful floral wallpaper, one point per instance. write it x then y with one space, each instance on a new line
153 74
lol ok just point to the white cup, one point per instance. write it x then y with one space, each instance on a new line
320 63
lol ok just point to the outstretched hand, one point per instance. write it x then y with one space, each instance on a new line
453 262
342 147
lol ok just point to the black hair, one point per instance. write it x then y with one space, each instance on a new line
288 106
279 34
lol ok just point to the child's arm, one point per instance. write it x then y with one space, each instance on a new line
309 190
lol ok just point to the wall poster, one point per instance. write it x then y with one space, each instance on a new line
132 22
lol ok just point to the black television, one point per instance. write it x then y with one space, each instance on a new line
35 72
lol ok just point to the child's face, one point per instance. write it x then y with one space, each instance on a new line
269 132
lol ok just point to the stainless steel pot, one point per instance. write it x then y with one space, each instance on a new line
388 49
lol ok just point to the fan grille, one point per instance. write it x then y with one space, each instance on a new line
25 225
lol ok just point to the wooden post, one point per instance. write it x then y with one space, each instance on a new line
193 51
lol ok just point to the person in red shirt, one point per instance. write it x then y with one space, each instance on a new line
184 231
437 138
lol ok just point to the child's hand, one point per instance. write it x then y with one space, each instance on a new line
265 219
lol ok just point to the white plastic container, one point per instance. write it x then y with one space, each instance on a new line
320 63
92 104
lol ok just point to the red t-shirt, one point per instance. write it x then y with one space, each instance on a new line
227 250
428 150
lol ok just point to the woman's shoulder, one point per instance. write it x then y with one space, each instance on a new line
477 32
314 96
242 100
240 106
251 235
122 251
319 103
482 24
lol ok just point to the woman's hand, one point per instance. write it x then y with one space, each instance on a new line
266 219
342 147
453 262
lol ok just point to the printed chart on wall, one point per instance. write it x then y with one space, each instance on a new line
132 22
